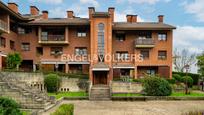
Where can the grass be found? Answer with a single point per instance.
(68, 94)
(175, 94)
(192, 94)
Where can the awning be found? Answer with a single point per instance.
(100, 67)
(123, 66)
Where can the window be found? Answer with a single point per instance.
(56, 50)
(2, 42)
(101, 42)
(44, 36)
(25, 46)
(122, 55)
(145, 54)
(162, 55)
(12, 45)
(151, 72)
(120, 37)
(81, 51)
(39, 50)
(162, 36)
(81, 33)
(22, 30)
(145, 35)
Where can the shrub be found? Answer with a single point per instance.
(9, 107)
(172, 81)
(83, 84)
(188, 79)
(13, 60)
(65, 109)
(195, 77)
(177, 77)
(52, 82)
(156, 86)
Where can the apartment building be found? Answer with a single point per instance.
(112, 49)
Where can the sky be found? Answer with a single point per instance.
(186, 15)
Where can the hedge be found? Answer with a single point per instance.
(64, 109)
(195, 77)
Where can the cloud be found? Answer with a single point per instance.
(57, 12)
(189, 37)
(121, 17)
(91, 2)
(151, 2)
(48, 1)
(196, 8)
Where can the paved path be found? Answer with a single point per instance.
(132, 108)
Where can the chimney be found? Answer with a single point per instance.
(13, 6)
(111, 11)
(91, 11)
(70, 14)
(134, 18)
(129, 18)
(161, 18)
(34, 10)
(45, 14)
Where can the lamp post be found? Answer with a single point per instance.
(187, 67)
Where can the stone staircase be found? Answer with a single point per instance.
(22, 93)
(100, 93)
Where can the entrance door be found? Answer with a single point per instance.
(100, 78)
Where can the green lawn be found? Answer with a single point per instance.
(176, 94)
(192, 94)
(68, 94)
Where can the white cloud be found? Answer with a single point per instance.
(196, 7)
(121, 17)
(189, 37)
(57, 12)
(91, 2)
(48, 1)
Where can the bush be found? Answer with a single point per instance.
(156, 86)
(188, 79)
(65, 109)
(177, 77)
(52, 82)
(172, 81)
(195, 77)
(83, 84)
(9, 107)
(13, 60)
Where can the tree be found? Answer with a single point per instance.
(200, 65)
(9, 107)
(52, 83)
(183, 58)
(13, 60)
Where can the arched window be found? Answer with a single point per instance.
(101, 42)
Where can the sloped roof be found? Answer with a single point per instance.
(141, 26)
(60, 21)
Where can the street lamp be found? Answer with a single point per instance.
(187, 67)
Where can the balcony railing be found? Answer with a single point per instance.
(142, 43)
(3, 26)
(52, 39)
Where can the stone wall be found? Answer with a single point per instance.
(125, 87)
(36, 80)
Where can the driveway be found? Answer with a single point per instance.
(132, 108)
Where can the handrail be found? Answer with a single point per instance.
(13, 82)
(148, 41)
(52, 38)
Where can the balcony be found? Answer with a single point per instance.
(144, 43)
(53, 39)
(3, 27)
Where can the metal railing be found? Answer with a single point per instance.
(3, 25)
(144, 42)
(52, 38)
